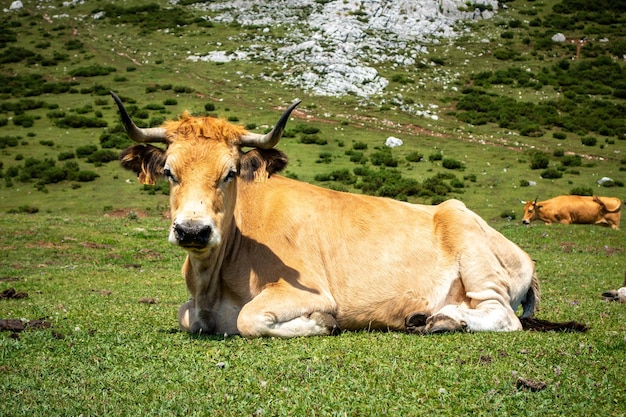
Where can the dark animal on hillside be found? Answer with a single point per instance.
(271, 256)
(574, 209)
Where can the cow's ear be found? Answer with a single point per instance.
(259, 164)
(145, 160)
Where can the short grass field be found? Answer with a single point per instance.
(101, 286)
(110, 286)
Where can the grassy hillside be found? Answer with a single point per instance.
(501, 93)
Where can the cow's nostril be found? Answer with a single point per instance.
(192, 235)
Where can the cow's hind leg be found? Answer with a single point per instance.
(488, 315)
(283, 311)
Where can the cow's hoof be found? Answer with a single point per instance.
(327, 321)
(440, 323)
(416, 322)
(205, 323)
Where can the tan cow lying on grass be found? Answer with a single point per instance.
(575, 209)
(271, 256)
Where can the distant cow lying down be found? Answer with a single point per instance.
(271, 256)
(574, 209)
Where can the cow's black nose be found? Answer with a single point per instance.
(192, 235)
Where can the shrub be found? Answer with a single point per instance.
(572, 161)
(114, 140)
(384, 157)
(170, 102)
(102, 156)
(450, 163)
(325, 157)
(24, 120)
(414, 156)
(551, 173)
(86, 150)
(589, 141)
(63, 156)
(559, 135)
(92, 71)
(360, 146)
(539, 160)
(524, 183)
(8, 141)
(508, 214)
(437, 156)
(86, 176)
(209, 107)
(581, 191)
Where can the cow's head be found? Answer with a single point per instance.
(203, 160)
(531, 211)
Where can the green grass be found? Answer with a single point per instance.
(110, 353)
(87, 268)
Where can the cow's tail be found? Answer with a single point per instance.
(605, 208)
(529, 322)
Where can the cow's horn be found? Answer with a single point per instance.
(148, 135)
(271, 139)
(522, 201)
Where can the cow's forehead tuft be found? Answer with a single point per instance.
(203, 128)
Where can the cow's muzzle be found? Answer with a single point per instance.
(524, 221)
(193, 236)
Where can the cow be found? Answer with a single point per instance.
(276, 257)
(575, 209)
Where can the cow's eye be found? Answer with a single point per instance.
(168, 174)
(230, 176)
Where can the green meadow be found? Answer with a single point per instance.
(518, 116)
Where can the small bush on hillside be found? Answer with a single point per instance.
(414, 156)
(114, 140)
(24, 120)
(581, 191)
(572, 161)
(8, 141)
(75, 121)
(524, 183)
(437, 156)
(86, 176)
(450, 163)
(63, 156)
(559, 135)
(86, 150)
(508, 214)
(359, 146)
(384, 157)
(92, 71)
(588, 141)
(102, 156)
(551, 173)
(539, 160)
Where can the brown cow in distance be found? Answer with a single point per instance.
(271, 256)
(575, 209)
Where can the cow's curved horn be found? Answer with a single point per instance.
(271, 139)
(522, 201)
(536, 198)
(147, 135)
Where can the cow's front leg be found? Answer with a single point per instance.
(195, 320)
(282, 311)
